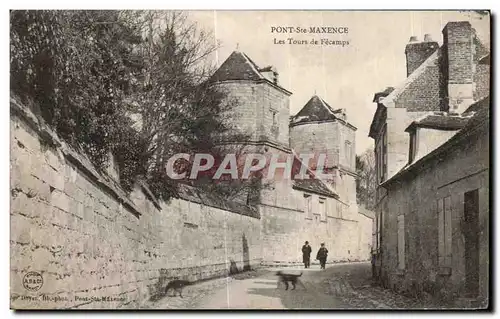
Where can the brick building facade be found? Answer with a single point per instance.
(294, 211)
(431, 146)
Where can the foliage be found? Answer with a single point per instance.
(131, 83)
(73, 65)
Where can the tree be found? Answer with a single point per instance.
(95, 75)
(73, 65)
(180, 110)
(366, 184)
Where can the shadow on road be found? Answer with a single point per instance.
(308, 296)
(265, 283)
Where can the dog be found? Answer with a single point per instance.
(286, 278)
(177, 285)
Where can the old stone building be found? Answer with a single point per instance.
(431, 146)
(293, 211)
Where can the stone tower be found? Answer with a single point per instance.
(262, 111)
(321, 129)
(293, 211)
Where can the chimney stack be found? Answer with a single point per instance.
(417, 52)
(458, 61)
(270, 73)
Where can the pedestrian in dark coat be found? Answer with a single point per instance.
(306, 254)
(322, 255)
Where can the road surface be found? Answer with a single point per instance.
(340, 286)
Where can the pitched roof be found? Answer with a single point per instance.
(485, 59)
(199, 196)
(313, 184)
(316, 109)
(478, 121)
(481, 117)
(432, 61)
(485, 102)
(400, 89)
(239, 66)
(440, 122)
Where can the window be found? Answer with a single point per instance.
(322, 208)
(274, 115)
(413, 147)
(381, 155)
(401, 241)
(274, 126)
(339, 209)
(444, 231)
(307, 206)
(378, 219)
(348, 153)
(379, 227)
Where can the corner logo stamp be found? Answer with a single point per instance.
(33, 281)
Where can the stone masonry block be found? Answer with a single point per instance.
(26, 136)
(60, 200)
(55, 160)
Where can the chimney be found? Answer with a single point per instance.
(380, 95)
(417, 52)
(344, 114)
(276, 77)
(458, 65)
(270, 73)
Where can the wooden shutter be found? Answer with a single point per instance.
(384, 153)
(322, 208)
(441, 249)
(307, 206)
(401, 242)
(447, 231)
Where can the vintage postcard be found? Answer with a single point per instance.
(249, 159)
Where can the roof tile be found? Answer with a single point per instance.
(238, 66)
(440, 122)
(316, 109)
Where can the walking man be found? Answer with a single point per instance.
(306, 254)
(322, 255)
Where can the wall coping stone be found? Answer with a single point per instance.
(103, 181)
(48, 136)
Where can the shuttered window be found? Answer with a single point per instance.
(348, 153)
(308, 206)
(384, 153)
(322, 209)
(444, 231)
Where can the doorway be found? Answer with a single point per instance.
(471, 218)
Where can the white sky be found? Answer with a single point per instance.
(345, 77)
